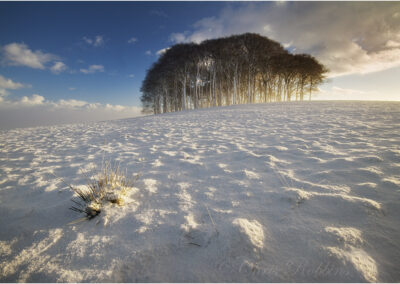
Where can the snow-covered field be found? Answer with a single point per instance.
(268, 192)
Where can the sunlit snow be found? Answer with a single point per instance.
(268, 192)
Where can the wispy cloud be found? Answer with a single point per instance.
(340, 93)
(36, 110)
(19, 54)
(132, 40)
(131, 75)
(347, 91)
(95, 41)
(159, 13)
(92, 69)
(148, 52)
(58, 67)
(348, 37)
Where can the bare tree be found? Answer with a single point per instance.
(246, 68)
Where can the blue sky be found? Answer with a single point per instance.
(85, 60)
(61, 29)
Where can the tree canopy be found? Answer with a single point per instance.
(239, 69)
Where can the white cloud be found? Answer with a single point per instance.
(148, 52)
(9, 84)
(70, 103)
(33, 100)
(131, 75)
(72, 88)
(114, 107)
(58, 67)
(161, 51)
(96, 41)
(178, 37)
(392, 43)
(132, 40)
(19, 54)
(93, 69)
(348, 37)
(36, 110)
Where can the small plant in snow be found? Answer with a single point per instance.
(110, 185)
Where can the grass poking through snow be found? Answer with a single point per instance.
(110, 185)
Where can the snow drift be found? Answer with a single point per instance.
(269, 192)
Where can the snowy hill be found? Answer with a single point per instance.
(268, 192)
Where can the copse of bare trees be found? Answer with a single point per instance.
(239, 69)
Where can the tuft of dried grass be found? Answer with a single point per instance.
(110, 185)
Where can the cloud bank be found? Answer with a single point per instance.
(348, 37)
(36, 110)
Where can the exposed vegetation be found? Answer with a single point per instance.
(109, 186)
(239, 69)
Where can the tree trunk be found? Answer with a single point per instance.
(184, 94)
(234, 85)
(165, 102)
(249, 89)
(214, 88)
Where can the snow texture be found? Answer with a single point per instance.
(268, 192)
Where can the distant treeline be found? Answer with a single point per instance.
(239, 69)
